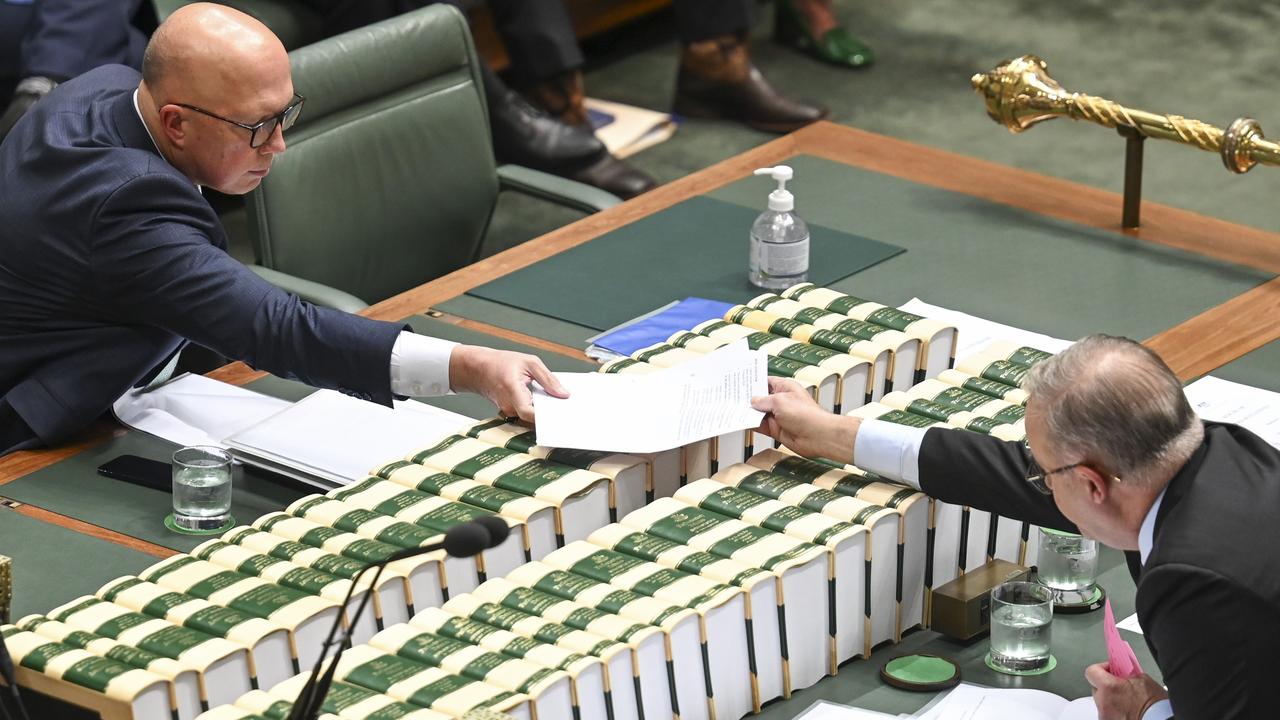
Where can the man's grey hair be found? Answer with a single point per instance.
(1112, 401)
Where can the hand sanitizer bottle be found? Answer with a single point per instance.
(779, 238)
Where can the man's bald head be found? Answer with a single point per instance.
(207, 51)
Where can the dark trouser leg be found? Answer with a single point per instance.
(14, 19)
(69, 37)
(539, 37)
(14, 432)
(705, 19)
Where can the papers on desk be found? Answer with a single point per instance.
(1131, 624)
(1253, 408)
(976, 333)
(971, 702)
(326, 439)
(335, 439)
(826, 710)
(653, 412)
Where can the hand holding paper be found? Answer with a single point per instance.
(1120, 658)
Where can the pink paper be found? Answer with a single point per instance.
(1120, 658)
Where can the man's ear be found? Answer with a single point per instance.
(1099, 484)
(173, 124)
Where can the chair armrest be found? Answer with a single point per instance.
(313, 292)
(552, 188)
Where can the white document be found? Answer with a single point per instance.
(971, 702)
(1131, 624)
(827, 710)
(340, 439)
(1253, 408)
(975, 333)
(194, 410)
(658, 411)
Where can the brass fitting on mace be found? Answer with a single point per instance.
(1019, 93)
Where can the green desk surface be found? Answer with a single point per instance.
(1260, 368)
(1076, 643)
(990, 260)
(73, 487)
(701, 243)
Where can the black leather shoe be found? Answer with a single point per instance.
(615, 176)
(717, 80)
(524, 135)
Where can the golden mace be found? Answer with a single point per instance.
(1019, 93)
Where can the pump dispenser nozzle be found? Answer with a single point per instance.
(780, 200)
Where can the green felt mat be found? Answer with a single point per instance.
(698, 247)
(73, 487)
(52, 565)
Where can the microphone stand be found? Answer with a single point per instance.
(462, 540)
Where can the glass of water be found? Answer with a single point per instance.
(201, 488)
(1068, 565)
(1021, 617)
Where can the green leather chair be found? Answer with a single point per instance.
(389, 178)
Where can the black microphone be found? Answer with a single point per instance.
(11, 679)
(498, 529)
(462, 540)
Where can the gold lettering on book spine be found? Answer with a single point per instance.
(1020, 93)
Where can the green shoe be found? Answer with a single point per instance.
(837, 46)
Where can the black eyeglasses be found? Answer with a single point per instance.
(260, 133)
(1036, 475)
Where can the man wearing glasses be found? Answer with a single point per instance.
(111, 259)
(1113, 451)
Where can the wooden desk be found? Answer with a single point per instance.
(1193, 347)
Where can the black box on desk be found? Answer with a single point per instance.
(962, 607)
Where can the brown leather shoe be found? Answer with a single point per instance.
(717, 80)
(562, 96)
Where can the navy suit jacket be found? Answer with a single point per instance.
(1209, 594)
(110, 258)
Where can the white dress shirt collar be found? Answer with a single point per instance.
(1147, 533)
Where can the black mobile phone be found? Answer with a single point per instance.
(139, 471)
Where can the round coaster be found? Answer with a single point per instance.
(170, 524)
(920, 672)
(1094, 602)
(1053, 663)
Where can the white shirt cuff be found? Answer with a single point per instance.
(420, 365)
(1160, 710)
(890, 450)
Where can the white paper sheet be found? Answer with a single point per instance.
(972, 702)
(653, 412)
(339, 439)
(1256, 409)
(194, 410)
(976, 333)
(826, 710)
(1131, 624)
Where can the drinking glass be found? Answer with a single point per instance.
(201, 488)
(1021, 623)
(1067, 565)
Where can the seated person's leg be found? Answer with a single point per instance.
(546, 64)
(717, 79)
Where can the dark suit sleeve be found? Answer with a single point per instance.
(1215, 641)
(158, 267)
(968, 468)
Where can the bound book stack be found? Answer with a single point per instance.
(903, 350)
(937, 339)
(724, 624)
(112, 685)
(463, 573)
(802, 572)
(184, 684)
(580, 497)
(425, 583)
(632, 478)
(344, 701)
